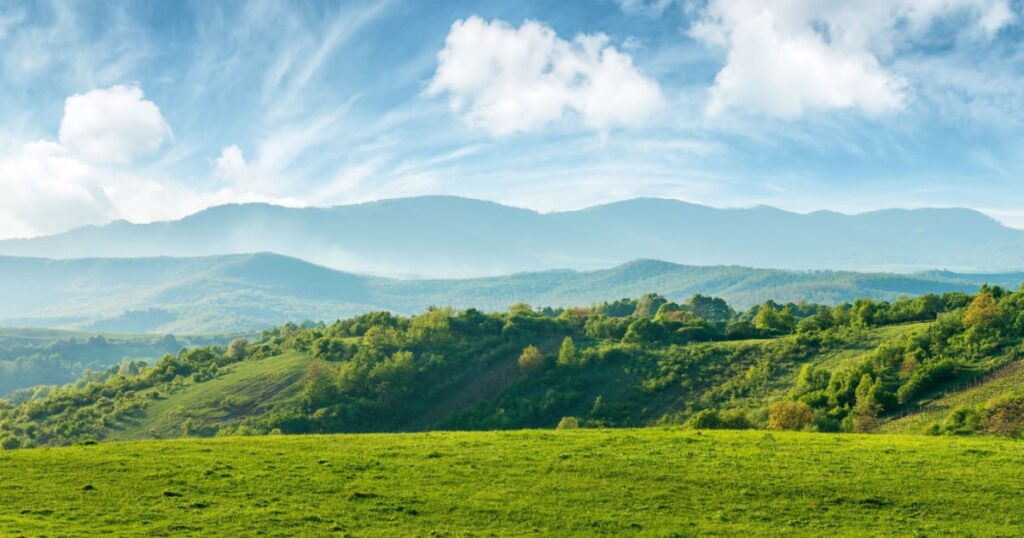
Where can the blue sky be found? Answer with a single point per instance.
(153, 110)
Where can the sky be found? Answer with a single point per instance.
(154, 110)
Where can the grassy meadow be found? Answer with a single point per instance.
(644, 482)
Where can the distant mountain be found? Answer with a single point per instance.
(444, 237)
(221, 294)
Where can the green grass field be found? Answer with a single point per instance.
(650, 482)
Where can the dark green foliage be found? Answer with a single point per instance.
(711, 419)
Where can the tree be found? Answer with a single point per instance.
(647, 305)
(773, 321)
(238, 349)
(643, 330)
(982, 310)
(318, 386)
(712, 309)
(789, 416)
(567, 355)
(530, 360)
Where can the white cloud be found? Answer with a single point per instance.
(509, 80)
(46, 190)
(114, 125)
(231, 164)
(788, 57)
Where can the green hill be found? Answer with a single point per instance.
(242, 293)
(625, 363)
(649, 482)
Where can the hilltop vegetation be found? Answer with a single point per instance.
(649, 482)
(32, 357)
(616, 364)
(252, 292)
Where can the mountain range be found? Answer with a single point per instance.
(451, 237)
(229, 293)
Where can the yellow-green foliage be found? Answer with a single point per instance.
(651, 482)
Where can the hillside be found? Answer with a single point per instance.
(30, 357)
(627, 363)
(246, 292)
(650, 482)
(445, 237)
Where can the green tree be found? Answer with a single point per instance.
(867, 408)
(237, 350)
(567, 355)
(773, 321)
(647, 305)
(531, 360)
(319, 389)
(982, 310)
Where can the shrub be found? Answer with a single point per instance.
(707, 419)
(789, 416)
(9, 443)
(1005, 416)
(962, 421)
(710, 419)
(568, 423)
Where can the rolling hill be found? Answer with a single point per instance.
(233, 293)
(622, 364)
(447, 237)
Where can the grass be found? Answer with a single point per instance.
(247, 388)
(650, 482)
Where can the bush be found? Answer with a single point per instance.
(9, 443)
(1005, 416)
(707, 419)
(710, 419)
(568, 423)
(789, 416)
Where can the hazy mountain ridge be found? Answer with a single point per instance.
(246, 292)
(445, 237)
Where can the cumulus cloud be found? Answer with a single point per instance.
(47, 190)
(788, 57)
(113, 125)
(507, 80)
(231, 165)
(48, 186)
